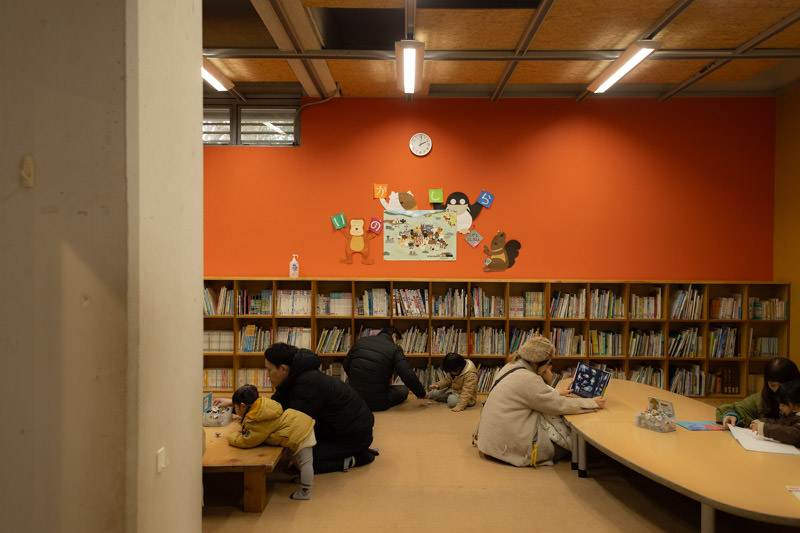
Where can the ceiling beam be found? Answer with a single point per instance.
(738, 53)
(522, 47)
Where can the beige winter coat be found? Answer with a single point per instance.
(465, 384)
(512, 414)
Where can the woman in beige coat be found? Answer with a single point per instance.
(521, 421)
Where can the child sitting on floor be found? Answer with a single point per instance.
(786, 428)
(265, 421)
(458, 387)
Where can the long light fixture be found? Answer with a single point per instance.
(212, 75)
(410, 55)
(632, 56)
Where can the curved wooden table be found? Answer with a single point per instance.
(707, 466)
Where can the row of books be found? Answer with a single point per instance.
(453, 303)
(253, 338)
(722, 342)
(410, 302)
(646, 343)
(726, 307)
(567, 342)
(254, 304)
(446, 339)
(689, 381)
(294, 302)
(254, 376)
(484, 305)
(334, 340)
(529, 305)
(764, 346)
(297, 336)
(767, 309)
(217, 302)
(414, 340)
(648, 375)
(568, 305)
(605, 342)
(726, 381)
(218, 341)
(687, 305)
(603, 303)
(374, 302)
(218, 378)
(684, 343)
(520, 337)
(336, 370)
(644, 307)
(487, 340)
(335, 304)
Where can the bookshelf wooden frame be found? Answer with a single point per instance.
(743, 364)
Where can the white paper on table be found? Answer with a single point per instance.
(745, 437)
(794, 489)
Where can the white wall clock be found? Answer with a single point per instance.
(420, 144)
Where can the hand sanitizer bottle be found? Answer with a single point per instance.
(294, 267)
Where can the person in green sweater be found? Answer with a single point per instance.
(762, 404)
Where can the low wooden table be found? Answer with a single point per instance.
(707, 466)
(253, 463)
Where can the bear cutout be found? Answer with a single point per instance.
(502, 254)
(357, 242)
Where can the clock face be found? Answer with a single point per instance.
(420, 144)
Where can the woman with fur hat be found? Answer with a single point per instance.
(521, 422)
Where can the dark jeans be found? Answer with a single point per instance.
(329, 455)
(397, 395)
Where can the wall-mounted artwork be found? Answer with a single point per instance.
(357, 242)
(399, 201)
(501, 254)
(419, 236)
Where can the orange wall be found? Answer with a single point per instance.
(603, 189)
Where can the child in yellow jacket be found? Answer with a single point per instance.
(458, 387)
(265, 421)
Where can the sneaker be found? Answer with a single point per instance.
(349, 462)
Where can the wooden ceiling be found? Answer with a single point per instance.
(503, 48)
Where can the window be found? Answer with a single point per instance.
(216, 125)
(266, 126)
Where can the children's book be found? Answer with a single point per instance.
(207, 402)
(701, 425)
(753, 442)
(590, 381)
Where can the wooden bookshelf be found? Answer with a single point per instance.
(714, 332)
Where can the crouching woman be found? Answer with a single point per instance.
(521, 422)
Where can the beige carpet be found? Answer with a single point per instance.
(430, 478)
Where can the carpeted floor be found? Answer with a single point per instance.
(430, 478)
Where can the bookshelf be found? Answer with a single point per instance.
(706, 339)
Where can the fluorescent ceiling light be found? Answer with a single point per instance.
(212, 75)
(410, 55)
(632, 56)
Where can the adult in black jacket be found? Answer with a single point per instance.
(370, 364)
(344, 423)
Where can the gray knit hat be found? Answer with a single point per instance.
(536, 349)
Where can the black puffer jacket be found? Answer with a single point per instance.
(340, 414)
(369, 365)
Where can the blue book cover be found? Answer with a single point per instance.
(590, 381)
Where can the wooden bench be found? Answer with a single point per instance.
(253, 463)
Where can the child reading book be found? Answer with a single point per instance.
(458, 387)
(786, 428)
(265, 421)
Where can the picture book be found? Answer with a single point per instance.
(752, 442)
(701, 425)
(589, 381)
(207, 402)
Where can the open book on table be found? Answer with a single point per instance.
(755, 443)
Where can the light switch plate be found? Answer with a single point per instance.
(161, 459)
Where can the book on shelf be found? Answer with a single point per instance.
(605, 342)
(606, 304)
(253, 376)
(644, 307)
(726, 307)
(568, 305)
(218, 378)
(766, 309)
(446, 339)
(294, 302)
(567, 342)
(589, 381)
(646, 343)
(689, 381)
(335, 304)
(648, 375)
(687, 305)
(488, 341)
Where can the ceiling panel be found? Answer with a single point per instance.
(664, 71)
(268, 70)
(463, 72)
(740, 70)
(365, 78)
(559, 72)
(471, 29)
(590, 24)
(721, 24)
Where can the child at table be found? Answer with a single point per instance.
(458, 386)
(265, 421)
(786, 428)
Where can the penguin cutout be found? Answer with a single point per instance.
(458, 203)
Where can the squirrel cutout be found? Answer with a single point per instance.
(502, 254)
(357, 242)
